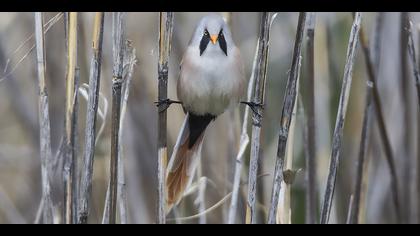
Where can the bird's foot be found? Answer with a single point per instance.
(164, 104)
(254, 107)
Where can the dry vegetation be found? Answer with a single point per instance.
(337, 139)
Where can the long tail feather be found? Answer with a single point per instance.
(185, 156)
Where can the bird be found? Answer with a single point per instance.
(211, 80)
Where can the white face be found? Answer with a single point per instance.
(212, 36)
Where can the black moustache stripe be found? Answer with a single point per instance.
(204, 42)
(222, 43)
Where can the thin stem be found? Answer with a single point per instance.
(311, 191)
(381, 122)
(286, 116)
(129, 63)
(44, 121)
(376, 57)
(69, 166)
(366, 130)
(412, 52)
(407, 121)
(418, 140)
(92, 109)
(284, 214)
(339, 126)
(118, 36)
(244, 140)
(258, 98)
(165, 38)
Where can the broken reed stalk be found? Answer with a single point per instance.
(243, 143)
(69, 160)
(341, 115)
(286, 116)
(92, 109)
(311, 191)
(412, 52)
(44, 121)
(258, 98)
(284, 214)
(372, 73)
(353, 215)
(118, 36)
(129, 62)
(165, 37)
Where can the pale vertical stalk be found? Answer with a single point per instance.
(243, 143)
(92, 109)
(201, 195)
(418, 140)
(372, 74)
(311, 191)
(412, 52)
(376, 57)
(44, 121)
(118, 35)
(69, 160)
(341, 115)
(286, 116)
(165, 37)
(353, 216)
(233, 138)
(407, 121)
(284, 215)
(129, 62)
(257, 117)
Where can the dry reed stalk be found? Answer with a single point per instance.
(243, 143)
(372, 73)
(44, 121)
(118, 36)
(311, 191)
(286, 116)
(130, 61)
(68, 154)
(165, 37)
(341, 115)
(92, 109)
(257, 117)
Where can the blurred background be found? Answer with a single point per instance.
(20, 170)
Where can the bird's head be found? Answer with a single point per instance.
(212, 33)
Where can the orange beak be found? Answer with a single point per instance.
(213, 38)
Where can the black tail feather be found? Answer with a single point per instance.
(197, 125)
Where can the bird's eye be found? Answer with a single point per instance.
(221, 33)
(206, 32)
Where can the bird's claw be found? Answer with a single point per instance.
(164, 104)
(254, 107)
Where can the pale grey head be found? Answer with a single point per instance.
(212, 33)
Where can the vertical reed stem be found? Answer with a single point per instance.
(286, 116)
(339, 126)
(69, 155)
(92, 109)
(44, 120)
(165, 37)
(259, 98)
(311, 202)
(118, 36)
